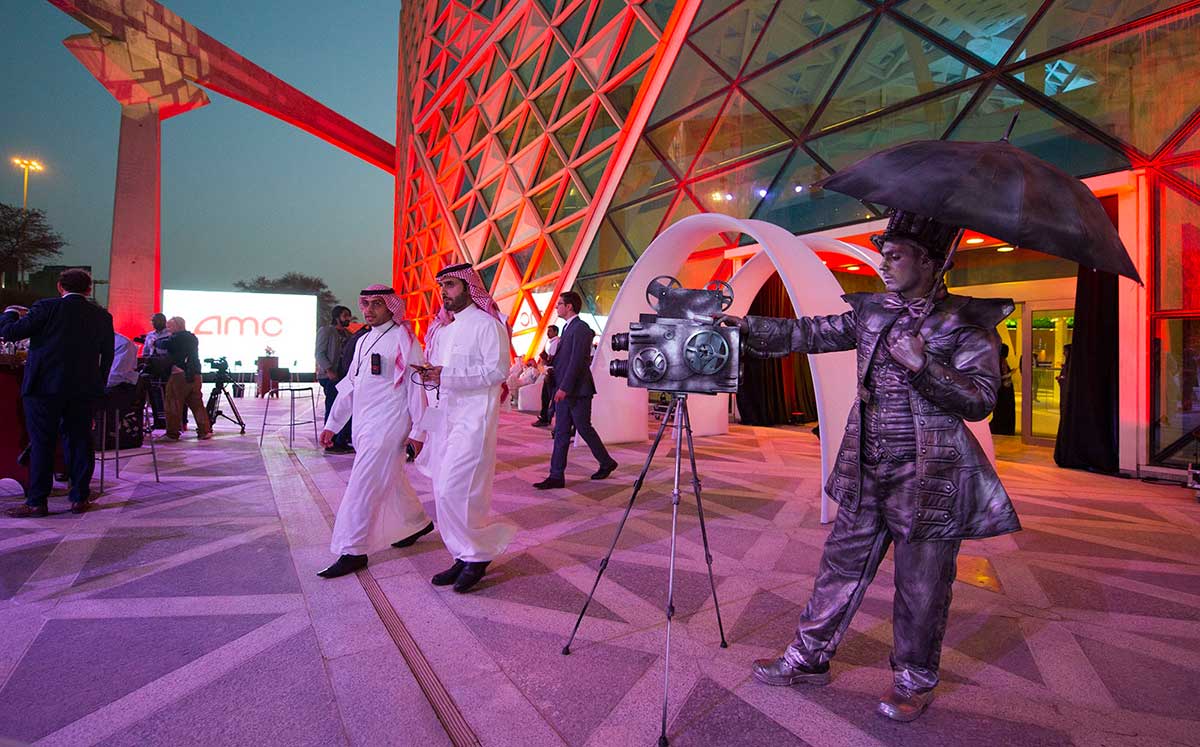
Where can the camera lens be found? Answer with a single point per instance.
(620, 342)
(619, 369)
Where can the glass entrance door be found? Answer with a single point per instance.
(1046, 352)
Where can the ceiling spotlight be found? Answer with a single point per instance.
(974, 240)
(853, 268)
(799, 188)
(762, 192)
(728, 197)
(717, 196)
(1004, 248)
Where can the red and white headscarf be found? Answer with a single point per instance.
(386, 294)
(479, 296)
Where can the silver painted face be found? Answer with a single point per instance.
(905, 269)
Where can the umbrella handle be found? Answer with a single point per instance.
(1011, 125)
(939, 282)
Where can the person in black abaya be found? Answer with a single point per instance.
(1004, 417)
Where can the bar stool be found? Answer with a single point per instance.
(146, 425)
(283, 378)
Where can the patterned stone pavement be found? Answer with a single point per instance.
(187, 611)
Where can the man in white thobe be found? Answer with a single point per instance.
(468, 350)
(379, 506)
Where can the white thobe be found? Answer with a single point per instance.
(460, 425)
(379, 505)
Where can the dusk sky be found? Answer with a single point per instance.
(244, 194)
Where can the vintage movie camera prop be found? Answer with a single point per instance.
(680, 351)
(679, 348)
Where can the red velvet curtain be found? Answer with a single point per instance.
(776, 391)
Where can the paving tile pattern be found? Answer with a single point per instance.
(188, 611)
(1056, 633)
(174, 614)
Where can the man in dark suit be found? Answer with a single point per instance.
(573, 400)
(70, 353)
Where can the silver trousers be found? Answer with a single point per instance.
(924, 575)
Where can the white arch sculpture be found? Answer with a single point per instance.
(622, 412)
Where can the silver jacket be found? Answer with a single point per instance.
(958, 494)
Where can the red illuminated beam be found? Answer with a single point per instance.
(151, 31)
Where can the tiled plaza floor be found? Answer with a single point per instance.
(188, 612)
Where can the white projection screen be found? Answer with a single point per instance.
(241, 326)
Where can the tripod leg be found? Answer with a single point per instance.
(237, 416)
(687, 422)
(680, 408)
(637, 486)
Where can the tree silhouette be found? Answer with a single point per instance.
(26, 239)
(295, 282)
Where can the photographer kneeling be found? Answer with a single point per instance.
(184, 386)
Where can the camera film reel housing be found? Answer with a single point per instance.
(680, 349)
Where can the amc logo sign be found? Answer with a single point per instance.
(239, 326)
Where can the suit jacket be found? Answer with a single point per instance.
(347, 354)
(572, 360)
(330, 340)
(70, 346)
(958, 495)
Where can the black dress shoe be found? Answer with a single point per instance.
(25, 511)
(780, 672)
(550, 483)
(80, 507)
(539, 423)
(470, 576)
(450, 575)
(412, 538)
(344, 565)
(604, 472)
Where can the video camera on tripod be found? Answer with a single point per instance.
(680, 349)
(221, 369)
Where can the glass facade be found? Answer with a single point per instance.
(510, 114)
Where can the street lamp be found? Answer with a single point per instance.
(27, 165)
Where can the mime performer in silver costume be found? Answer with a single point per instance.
(908, 472)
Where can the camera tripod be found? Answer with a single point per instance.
(214, 401)
(676, 407)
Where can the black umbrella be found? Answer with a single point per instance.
(994, 188)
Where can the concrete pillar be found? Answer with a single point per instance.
(134, 269)
(150, 87)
